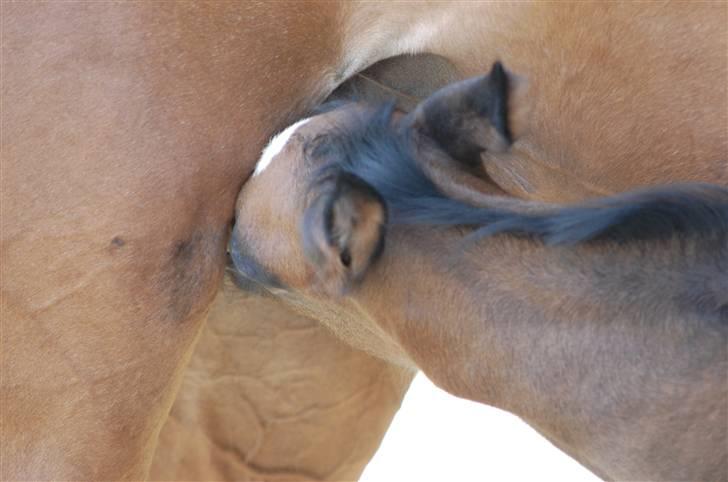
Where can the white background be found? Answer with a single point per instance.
(438, 437)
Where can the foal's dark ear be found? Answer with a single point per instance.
(343, 230)
(468, 117)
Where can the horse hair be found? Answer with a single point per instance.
(382, 154)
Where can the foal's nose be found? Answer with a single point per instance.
(248, 274)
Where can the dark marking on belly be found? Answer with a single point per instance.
(183, 250)
(192, 272)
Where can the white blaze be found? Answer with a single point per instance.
(275, 146)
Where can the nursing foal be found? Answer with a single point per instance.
(604, 326)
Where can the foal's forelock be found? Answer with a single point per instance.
(383, 155)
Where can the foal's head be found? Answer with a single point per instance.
(315, 212)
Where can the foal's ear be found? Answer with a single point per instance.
(343, 230)
(468, 117)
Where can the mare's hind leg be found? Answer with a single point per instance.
(272, 395)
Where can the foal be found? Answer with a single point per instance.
(604, 326)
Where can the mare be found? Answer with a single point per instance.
(129, 128)
(603, 325)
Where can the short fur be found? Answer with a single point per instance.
(141, 120)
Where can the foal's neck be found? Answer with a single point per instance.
(586, 344)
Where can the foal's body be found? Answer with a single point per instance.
(587, 345)
(615, 348)
(129, 128)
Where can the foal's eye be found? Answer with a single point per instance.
(345, 257)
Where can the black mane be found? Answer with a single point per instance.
(381, 154)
